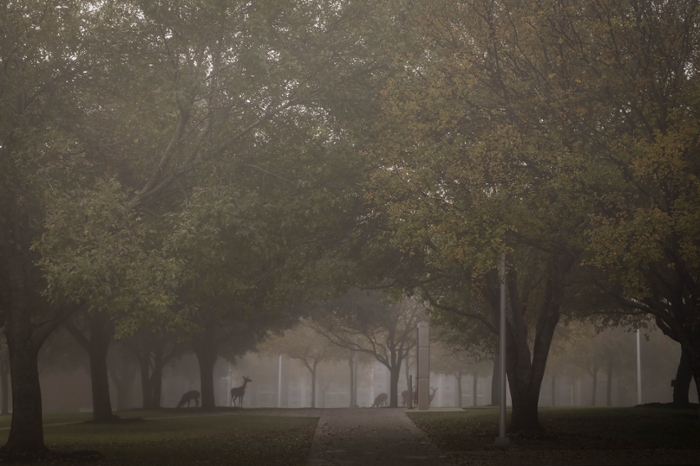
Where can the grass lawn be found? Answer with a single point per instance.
(172, 440)
(572, 436)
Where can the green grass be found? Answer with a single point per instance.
(569, 429)
(171, 440)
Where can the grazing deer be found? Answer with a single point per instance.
(238, 392)
(380, 400)
(192, 395)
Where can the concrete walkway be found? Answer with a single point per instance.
(371, 437)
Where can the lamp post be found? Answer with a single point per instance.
(502, 439)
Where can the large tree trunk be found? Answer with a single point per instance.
(206, 350)
(525, 371)
(152, 355)
(151, 381)
(101, 333)
(394, 375)
(495, 380)
(458, 378)
(608, 401)
(681, 385)
(351, 363)
(5, 383)
(124, 385)
(26, 431)
(24, 339)
(313, 386)
(554, 391)
(146, 390)
(101, 403)
(122, 373)
(595, 386)
(97, 346)
(157, 385)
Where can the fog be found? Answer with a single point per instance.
(65, 379)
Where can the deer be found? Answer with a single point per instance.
(192, 395)
(432, 395)
(404, 396)
(380, 400)
(238, 392)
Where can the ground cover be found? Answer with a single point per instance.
(175, 440)
(640, 435)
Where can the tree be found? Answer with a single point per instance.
(113, 111)
(4, 378)
(516, 129)
(43, 66)
(123, 368)
(370, 323)
(96, 343)
(153, 348)
(306, 345)
(463, 348)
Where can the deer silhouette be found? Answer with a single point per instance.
(238, 392)
(192, 395)
(380, 400)
(432, 395)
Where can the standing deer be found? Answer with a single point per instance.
(380, 400)
(238, 392)
(432, 395)
(192, 395)
(404, 398)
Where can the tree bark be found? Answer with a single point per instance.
(458, 378)
(24, 339)
(206, 350)
(684, 376)
(554, 391)
(122, 372)
(595, 385)
(5, 382)
(97, 346)
(495, 380)
(475, 386)
(313, 386)
(608, 401)
(26, 431)
(394, 376)
(151, 382)
(100, 338)
(152, 353)
(525, 370)
(351, 363)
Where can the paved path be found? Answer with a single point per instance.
(371, 437)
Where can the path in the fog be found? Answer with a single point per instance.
(371, 437)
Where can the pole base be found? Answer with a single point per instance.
(502, 441)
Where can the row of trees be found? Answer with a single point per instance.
(562, 134)
(204, 167)
(162, 167)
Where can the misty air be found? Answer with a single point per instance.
(283, 233)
